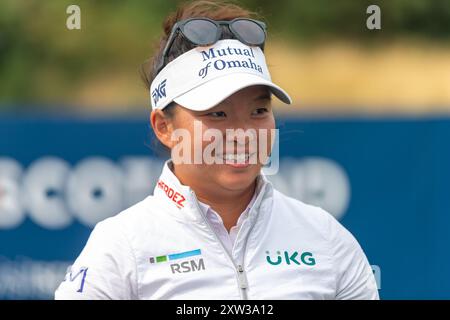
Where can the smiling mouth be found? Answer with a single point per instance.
(242, 159)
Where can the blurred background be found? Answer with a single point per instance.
(367, 137)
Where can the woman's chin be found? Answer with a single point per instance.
(237, 177)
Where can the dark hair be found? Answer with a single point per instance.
(215, 10)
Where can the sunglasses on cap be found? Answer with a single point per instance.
(205, 32)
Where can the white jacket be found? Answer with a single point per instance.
(163, 248)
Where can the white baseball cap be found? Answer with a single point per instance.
(202, 77)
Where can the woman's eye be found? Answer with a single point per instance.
(217, 114)
(260, 111)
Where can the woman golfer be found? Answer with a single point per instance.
(215, 227)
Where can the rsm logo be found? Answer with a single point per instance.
(188, 266)
(181, 267)
(53, 192)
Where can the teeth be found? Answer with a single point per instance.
(236, 157)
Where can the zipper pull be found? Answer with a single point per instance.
(242, 280)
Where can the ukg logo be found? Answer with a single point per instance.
(287, 257)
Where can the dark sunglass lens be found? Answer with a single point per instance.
(200, 32)
(249, 31)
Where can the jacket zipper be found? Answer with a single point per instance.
(242, 278)
(240, 267)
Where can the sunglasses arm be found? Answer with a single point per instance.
(167, 47)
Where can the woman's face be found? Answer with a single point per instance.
(249, 110)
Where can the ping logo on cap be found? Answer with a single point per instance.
(159, 92)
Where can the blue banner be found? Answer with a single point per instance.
(385, 179)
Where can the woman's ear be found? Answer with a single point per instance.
(162, 126)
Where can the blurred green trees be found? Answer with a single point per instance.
(42, 61)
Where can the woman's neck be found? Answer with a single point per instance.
(229, 204)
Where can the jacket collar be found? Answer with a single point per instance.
(180, 200)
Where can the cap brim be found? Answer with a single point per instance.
(215, 91)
